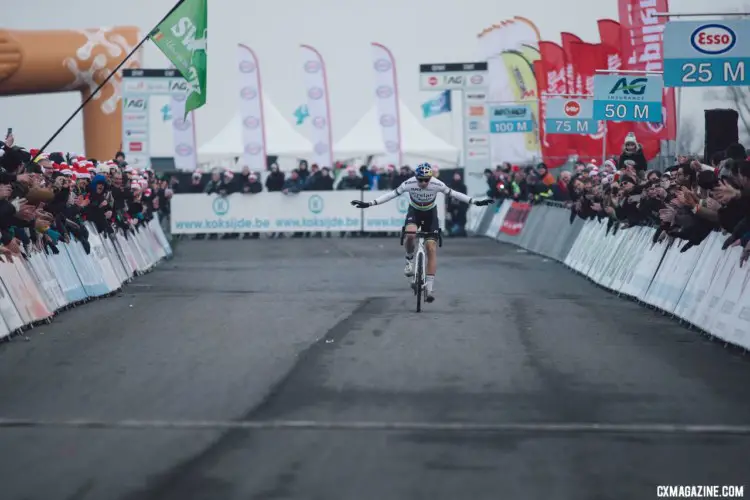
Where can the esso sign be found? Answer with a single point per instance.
(713, 39)
(572, 108)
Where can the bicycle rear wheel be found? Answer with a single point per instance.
(420, 280)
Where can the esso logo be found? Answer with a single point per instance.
(251, 122)
(382, 65)
(315, 93)
(387, 120)
(432, 80)
(253, 149)
(384, 91)
(183, 150)
(319, 122)
(248, 93)
(713, 39)
(312, 66)
(247, 66)
(572, 109)
(476, 79)
(321, 148)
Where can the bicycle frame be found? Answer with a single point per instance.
(420, 257)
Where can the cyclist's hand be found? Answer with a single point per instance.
(360, 204)
(482, 203)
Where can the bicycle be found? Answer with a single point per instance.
(420, 256)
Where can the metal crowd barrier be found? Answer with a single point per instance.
(32, 290)
(704, 286)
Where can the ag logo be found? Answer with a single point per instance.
(221, 206)
(315, 204)
(403, 204)
(135, 104)
(178, 86)
(636, 86)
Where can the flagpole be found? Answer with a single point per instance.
(106, 80)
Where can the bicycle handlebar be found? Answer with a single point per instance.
(423, 234)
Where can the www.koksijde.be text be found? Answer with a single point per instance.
(311, 223)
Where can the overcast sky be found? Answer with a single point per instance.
(416, 31)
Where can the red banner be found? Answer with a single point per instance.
(550, 78)
(515, 218)
(586, 58)
(611, 35)
(642, 50)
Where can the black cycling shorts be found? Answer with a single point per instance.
(426, 220)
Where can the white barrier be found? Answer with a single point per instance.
(279, 213)
(703, 286)
(33, 290)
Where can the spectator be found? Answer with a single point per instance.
(350, 180)
(456, 209)
(275, 180)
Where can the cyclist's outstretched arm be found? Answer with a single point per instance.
(391, 195)
(455, 194)
(381, 199)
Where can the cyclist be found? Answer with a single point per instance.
(423, 189)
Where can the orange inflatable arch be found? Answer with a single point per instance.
(42, 62)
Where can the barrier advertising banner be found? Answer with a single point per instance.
(515, 218)
(277, 212)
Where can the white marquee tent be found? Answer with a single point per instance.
(281, 138)
(419, 143)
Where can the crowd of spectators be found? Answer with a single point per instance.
(313, 178)
(45, 199)
(688, 201)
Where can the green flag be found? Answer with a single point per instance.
(182, 38)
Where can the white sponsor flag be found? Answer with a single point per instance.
(251, 110)
(183, 134)
(316, 91)
(386, 95)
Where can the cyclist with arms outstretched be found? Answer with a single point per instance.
(423, 189)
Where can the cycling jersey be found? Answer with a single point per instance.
(422, 198)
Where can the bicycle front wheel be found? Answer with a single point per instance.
(420, 280)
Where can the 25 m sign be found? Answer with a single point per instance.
(135, 104)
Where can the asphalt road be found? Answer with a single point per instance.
(324, 331)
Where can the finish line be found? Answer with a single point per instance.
(438, 427)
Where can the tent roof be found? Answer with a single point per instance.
(281, 138)
(365, 138)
